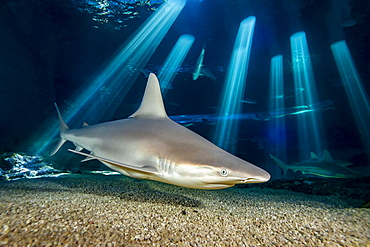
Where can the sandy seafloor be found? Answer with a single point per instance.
(98, 210)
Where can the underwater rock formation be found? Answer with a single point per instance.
(19, 165)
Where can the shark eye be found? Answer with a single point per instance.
(224, 172)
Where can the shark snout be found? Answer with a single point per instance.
(262, 177)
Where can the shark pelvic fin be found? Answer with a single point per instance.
(78, 148)
(152, 104)
(88, 158)
(62, 128)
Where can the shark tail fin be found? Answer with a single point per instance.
(62, 128)
(280, 163)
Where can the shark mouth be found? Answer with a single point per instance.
(255, 180)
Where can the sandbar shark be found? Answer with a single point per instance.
(149, 145)
(324, 167)
(201, 70)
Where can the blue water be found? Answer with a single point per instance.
(52, 49)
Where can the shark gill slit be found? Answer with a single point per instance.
(166, 165)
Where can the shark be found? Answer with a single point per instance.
(249, 101)
(201, 70)
(149, 145)
(325, 166)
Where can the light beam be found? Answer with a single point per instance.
(310, 126)
(277, 135)
(356, 94)
(227, 131)
(100, 99)
(174, 60)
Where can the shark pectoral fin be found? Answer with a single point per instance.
(144, 169)
(201, 73)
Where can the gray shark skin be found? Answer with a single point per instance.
(149, 145)
(324, 167)
(199, 65)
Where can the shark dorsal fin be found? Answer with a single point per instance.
(152, 103)
(314, 156)
(326, 156)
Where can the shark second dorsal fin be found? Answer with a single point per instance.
(152, 103)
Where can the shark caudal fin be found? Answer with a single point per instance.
(280, 163)
(62, 128)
